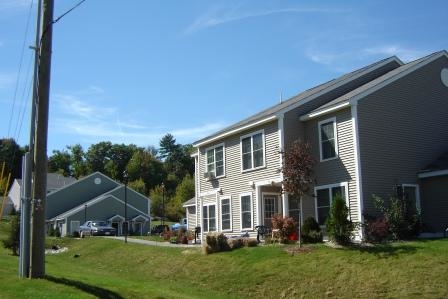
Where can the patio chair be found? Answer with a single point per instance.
(262, 231)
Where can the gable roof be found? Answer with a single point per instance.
(436, 168)
(300, 99)
(190, 202)
(56, 181)
(93, 202)
(374, 85)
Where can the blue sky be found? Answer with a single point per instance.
(132, 71)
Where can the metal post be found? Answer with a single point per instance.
(25, 215)
(85, 213)
(163, 203)
(125, 178)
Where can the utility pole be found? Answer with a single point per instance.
(25, 215)
(40, 147)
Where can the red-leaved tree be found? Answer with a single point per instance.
(297, 169)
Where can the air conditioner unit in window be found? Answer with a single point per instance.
(209, 175)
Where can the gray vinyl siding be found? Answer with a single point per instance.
(236, 181)
(402, 128)
(339, 170)
(134, 199)
(191, 217)
(434, 203)
(294, 128)
(103, 210)
(76, 194)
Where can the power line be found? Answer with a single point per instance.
(68, 11)
(20, 69)
(60, 17)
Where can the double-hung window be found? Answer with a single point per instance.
(324, 197)
(215, 160)
(246, 212)
(209, 218)
(328, 142)
(252, 151)
(225, 214)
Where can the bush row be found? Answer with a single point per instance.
(218, 242)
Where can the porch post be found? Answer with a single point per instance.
(259, 205)
(285, 204)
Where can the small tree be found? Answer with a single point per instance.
(401, 216)
(311, 231)
(339, 226)
(297, 171)
(14, 234)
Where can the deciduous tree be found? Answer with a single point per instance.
(297, 169)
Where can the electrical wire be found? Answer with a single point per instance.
(20, 69)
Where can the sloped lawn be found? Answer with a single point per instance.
(107, 268)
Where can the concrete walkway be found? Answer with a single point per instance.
(155, 243)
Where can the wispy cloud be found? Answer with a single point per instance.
(344, 60)
(405, 54)
(90, 121)
(216, 18)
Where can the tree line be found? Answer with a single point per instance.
(163, 174)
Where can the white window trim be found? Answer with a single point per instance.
(208, 213)
(335, 128)
(329, 186)
(251, 213)
(223, 157)
(417, 195)
(220, 213)
(263, 137)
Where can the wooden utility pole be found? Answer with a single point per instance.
(40, 150)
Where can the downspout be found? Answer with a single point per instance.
(357, 157)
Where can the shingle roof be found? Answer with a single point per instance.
(440, 164)
(388, 76)
(302, 97)
(56, 181)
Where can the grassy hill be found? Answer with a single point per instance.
(111, 269)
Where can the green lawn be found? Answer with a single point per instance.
(111, 269)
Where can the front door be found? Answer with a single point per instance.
(271, 206)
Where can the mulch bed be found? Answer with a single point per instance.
(296, 249)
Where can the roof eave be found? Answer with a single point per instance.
(235, 131)
(325, 111)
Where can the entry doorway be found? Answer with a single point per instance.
(271, 207)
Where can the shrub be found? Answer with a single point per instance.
(339, 227)
(14, 234)
(377, 230)
(57, 232)
(217, 242)
(401, 215)
(285, 225)
(250, 242)
(235, 243)
(311, 232)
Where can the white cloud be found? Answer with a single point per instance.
(405, 54)
(90, 121)
(344, 60)
(223, 17)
